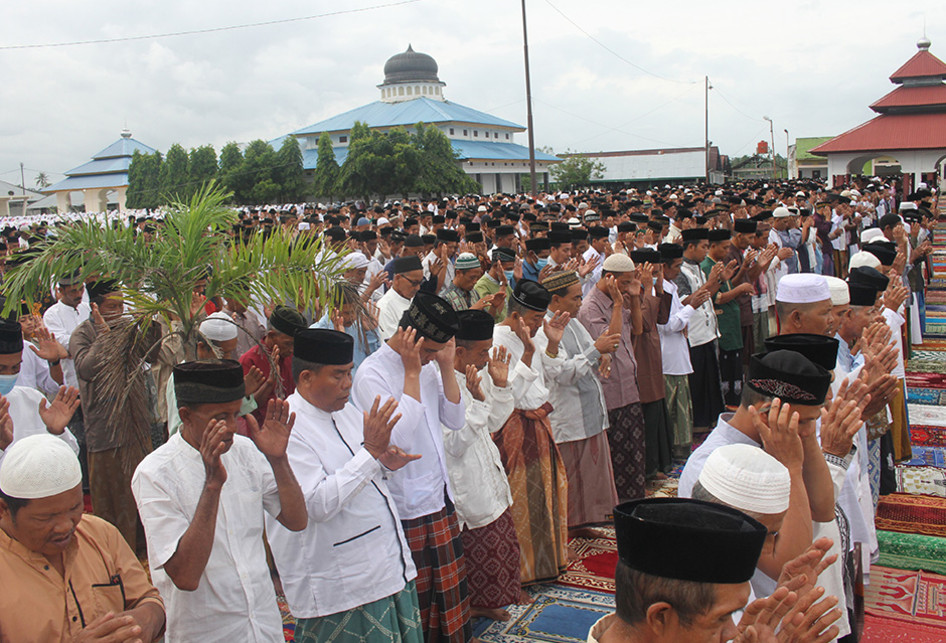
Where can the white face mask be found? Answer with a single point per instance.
(7, 382)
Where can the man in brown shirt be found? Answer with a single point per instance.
(67, 576)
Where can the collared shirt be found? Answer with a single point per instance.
(477, 477)
(674, 347)
(253, 329)
(895, 321)
(353, 550)
(458, 298)
(647, 349)
(418, 487)
(24, 411)
(449, 272)
(488, 286)
(575, 392)
(366, 342)
(61, 320)
(391, 307)
(620, 388)
(724, 433)
(529, 388)
(258, 356)
(595, 274)
(234, 600)
(702, 328)
(34, 372)
(102, 575)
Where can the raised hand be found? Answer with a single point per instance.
(396, 457)
(647, 273)
(546, 271)
(614, 288)
(57, 415)
(254, 380)
(212, 446)
(801, 574)
(524, 333)
(473, 383)
(517, 270)
(6, 424)
(377, 280)
(445, 356)
(197, 302)
(840, 422)
(47, 347)
(369, 317)
(273, 437)
(378, 424)
(406, 344)
(554, 328)
(730, 269)
(498, 366)
(338, 320)
(780, 433)
(608, 343)
(586, 267)
(100, 324)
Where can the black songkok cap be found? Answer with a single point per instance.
(645, 255)
(789, 376)
(286, 320)
(474, 236)
(559, 226)
(747, 226)
(867, 276)
(820, 349)
(862, 295)
(475, 325)
(700, 220)
(406, 264)
(413, 241)
(656, 226)
(694, 234)
(11, 337)
(558, 237)
(336, 233)
(428, 239)
(445, 234)
(532, 295)
(579, 234)
(886, 251)
(368, 235)
(72, 279)
(438, 218)
(627, 226)
(431, 317)
(214, 381)
(638, 217)
(765, 215)
(598, 232)
(102, 287)
(323, 346)
(670, 251)
(495, 224)
(720, 234)
(503, 254)
(505, 230)
(538, 245)
(655, 536)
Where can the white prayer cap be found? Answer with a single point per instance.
(864, 258)
(481, 208)
(39, 466)
(304, 225)
(871, 234)
(353, 261)
(802, 288)
(383, 221)
(840, 295)
(747, 478)
(582, 205)
(781, 212)
(218, 327)
(799, 193)
(618, 263)
(907, 205)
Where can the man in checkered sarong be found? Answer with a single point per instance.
(428, 397)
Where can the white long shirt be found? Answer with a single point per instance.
(353, 551)
(477, 477)
(24, 411)
(234, 600)
(592, 278)
(391, 307)
(674, 347)
(575, 382)
(62, 320)
(529, 387)
(34, 372)
(418, 487)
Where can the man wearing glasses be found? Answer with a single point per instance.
(408, 277)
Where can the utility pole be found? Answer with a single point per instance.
(788, 153)
(525, 49)
(706, 126)
(23, 186)
(772, 135)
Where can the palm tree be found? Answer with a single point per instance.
(42, 180)
(159, 280)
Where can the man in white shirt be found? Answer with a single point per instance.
(428, 396)
(597, 251)
(408, 277)
(201, 497)
(64, 316)
(351, 569)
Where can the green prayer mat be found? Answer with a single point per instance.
(912, 551)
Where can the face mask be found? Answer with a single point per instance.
(655, 280)
(7, 382)
(509, 274)
(541, 263)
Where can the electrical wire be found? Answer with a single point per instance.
(191, 32)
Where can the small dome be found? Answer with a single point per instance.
(126, 133)
(410, 66)
(923, 43)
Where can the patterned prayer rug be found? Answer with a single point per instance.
(933, 396)
(912, 514)
(928, 436)
(913, 597)
(557, 615)
(925, 361)
(595, 569)
(912, 551)
(926, 380)
(886, 630)
(930, 481)
(927, 457)
(924, 414)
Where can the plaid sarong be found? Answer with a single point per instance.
(442, 593)
(395, 619)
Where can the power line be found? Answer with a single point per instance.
(726, 100)
(608, 127)
(616, 54)
(209, 30)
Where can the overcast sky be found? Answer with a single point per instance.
(813, 67)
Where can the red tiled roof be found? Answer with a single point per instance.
(909, 96)
(891, 132)
(923, 64)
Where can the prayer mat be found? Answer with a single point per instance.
(926, 415)
(924, 361)
(933, 396)
(926, 380)
(886, 630)
(594, 570)
(557, 615)
(288, 621)
(909, 597)
(912, 514)
(912, 551)
(927, 457)
(663, 488)
(928, 436)
(930, 481)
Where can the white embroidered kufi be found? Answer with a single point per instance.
(872, 234)
(618, 263)
(840, 295)
(862, 259)
(747, 478)
(802, 288)
(39, 466)
(218, 327)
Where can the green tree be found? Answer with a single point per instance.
(440, 170)
(381, 163)
(202, 168)
(289, 174)
(174, 175)
(576, 171)
(144, 181)
(259, 161)
(42, 180)
(326, 169)
(230, 172)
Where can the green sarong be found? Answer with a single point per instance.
(395, 619)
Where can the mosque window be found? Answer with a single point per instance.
(451, 131)
(400, 91)
(342, 139)
(410, 91)
(495, 134)
(465, 132)
(476, 133)
(507, 136)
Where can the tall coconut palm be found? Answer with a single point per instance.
(42, 180)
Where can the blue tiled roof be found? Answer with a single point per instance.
(123, 147)
(101, 166)
(465, 149)
(407, 113)
(89, 181)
